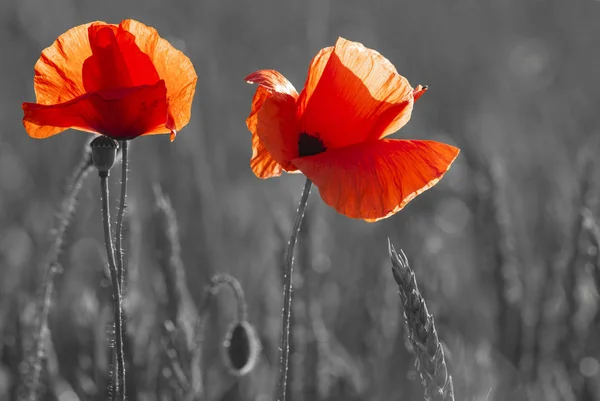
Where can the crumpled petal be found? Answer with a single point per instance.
(272, 122)
(58, 77)
(174, 67)
(374, 180)
(419, 91)
(262, 163)
(118, 113)
(352, 95)
(116, 61)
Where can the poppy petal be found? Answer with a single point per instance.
(262, 163)
(419, 91)
(352, 95)
(376, 179)
(174, 67)
(116, 61)
(272, 122)
(119, 114)
(58, 71)
(273, 81)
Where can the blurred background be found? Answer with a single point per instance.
(505, 247)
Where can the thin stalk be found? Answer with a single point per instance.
(216, 282)
(236, 287)
(119, 384)
(121, 213)
(119, 256)
(65, 216)
(287, 293)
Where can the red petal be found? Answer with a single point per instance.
(116, 62)
(272, 121)
(376, 179)
(273, 81)
(119, 114)
(174, 67)
(419, 91)
(353, 94)
(58, 71)
(262, 163)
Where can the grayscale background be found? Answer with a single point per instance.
(502, 255)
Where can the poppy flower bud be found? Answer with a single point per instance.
(241, 348)
(104, 153)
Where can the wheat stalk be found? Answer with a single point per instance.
(67, 210)
(180, 308)
(422, 333)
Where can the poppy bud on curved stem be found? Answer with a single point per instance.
(104, 153)
(241, 343)
(241, 347)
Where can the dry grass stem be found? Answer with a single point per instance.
(168, 342)
(422, 333)
(591, 226)
(180, 307)
(65, 215)
(570, 342)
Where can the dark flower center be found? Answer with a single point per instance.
(309, 145)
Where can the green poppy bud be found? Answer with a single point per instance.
(241, 348)
(104, 153)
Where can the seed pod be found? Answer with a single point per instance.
(241, 347)
(104, 153)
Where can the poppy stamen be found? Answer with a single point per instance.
(309, 145)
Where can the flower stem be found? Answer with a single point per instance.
(119, 385)
(287, 293)
(121, 213)
(225, 279)
(216, 283)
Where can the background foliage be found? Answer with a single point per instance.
(502, 255)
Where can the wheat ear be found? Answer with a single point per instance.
(422, 333)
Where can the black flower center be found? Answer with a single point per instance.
(309, 145)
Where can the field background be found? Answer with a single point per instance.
(501, 251)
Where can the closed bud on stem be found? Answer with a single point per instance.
(241, 347)
(104, 153)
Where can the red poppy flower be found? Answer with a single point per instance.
(120, 81)
(334, 132)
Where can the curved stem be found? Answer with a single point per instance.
(119, 385)
(236, 287)
(216, 282)
(121, 213)
(287, 293)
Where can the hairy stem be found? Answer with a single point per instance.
(119, 384)
(121, 213)
(216, 282)
(234, 284)
(65, 216)
(287, 293)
